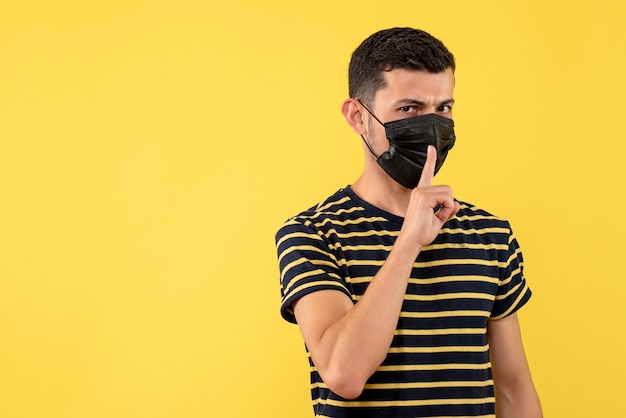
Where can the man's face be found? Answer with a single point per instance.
(409, 93)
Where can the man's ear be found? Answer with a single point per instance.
(354, 115)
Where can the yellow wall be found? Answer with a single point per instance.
(149, 151)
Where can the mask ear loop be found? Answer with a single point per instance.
(369, 111)
(378, 120)
(369, 148)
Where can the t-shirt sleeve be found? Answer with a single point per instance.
(307, 264)
(513, 291)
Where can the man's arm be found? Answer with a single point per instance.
(347, 341)
(516, 396)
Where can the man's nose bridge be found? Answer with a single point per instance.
(427, 110)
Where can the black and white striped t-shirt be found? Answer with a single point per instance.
(438, 363)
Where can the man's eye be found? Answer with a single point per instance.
(407, 109)
(444, 109)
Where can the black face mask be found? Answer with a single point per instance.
(408, 145)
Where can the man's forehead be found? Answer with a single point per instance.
(416, 84)
(409, 74)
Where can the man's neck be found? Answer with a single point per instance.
(383, 192)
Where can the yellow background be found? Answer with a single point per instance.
(149, 151)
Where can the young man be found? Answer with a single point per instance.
(406, 297)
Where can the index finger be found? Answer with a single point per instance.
(428, 173)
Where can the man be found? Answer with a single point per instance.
(406, 297)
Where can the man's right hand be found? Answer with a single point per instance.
(430, 206)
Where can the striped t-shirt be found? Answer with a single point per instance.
(438, 363)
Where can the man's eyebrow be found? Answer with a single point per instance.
(447, 102)
(408, 102)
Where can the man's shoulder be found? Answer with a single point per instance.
(470, 209)
(327, 211)
(473, 216)
(338, 201)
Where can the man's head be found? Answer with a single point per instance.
(401, 98)
(386, 50)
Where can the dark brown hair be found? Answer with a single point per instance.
(388, 49)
